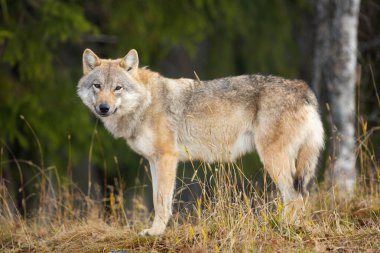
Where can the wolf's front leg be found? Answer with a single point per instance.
(163, 171)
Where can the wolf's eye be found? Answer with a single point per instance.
(118, 87)
(96, 85)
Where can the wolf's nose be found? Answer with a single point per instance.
(104, 108)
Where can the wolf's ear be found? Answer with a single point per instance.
(90, 61)
(130, 61)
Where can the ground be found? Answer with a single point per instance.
(225, 218)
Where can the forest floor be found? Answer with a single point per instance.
(224, 218)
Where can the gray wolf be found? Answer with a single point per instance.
(170, 120)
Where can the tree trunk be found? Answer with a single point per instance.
(335, 66)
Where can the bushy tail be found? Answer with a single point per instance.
(307, 158)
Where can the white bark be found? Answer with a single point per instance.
(335, 66)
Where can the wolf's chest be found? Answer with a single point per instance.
(143, 144)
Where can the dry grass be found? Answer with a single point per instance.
(230, 215)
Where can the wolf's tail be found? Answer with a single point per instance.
(308, 153)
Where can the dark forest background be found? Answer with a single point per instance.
(41, 44)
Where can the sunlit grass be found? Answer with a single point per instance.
(229, 215)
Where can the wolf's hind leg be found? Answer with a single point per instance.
(163, 171)
(281, 167)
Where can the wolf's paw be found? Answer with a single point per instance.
(152, 232)
(294, 212)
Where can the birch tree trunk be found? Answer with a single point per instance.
(335, 67)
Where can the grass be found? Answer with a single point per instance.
(230, 215)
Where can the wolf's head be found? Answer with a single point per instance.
(110, 87)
